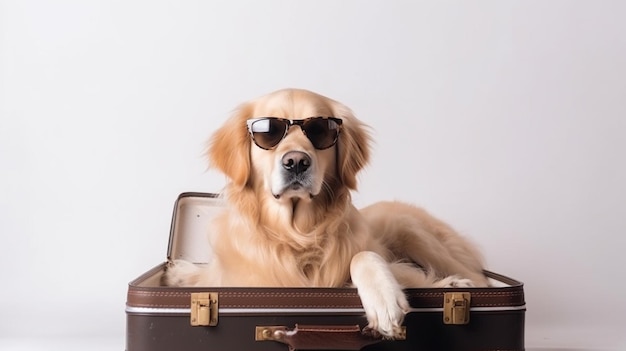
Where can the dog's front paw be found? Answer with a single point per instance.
(180, 273)
(382, 297)
(454, 281)
(385, 312)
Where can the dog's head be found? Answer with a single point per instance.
(292, 155)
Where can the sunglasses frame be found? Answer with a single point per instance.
(290, 123)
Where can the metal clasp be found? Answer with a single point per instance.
(264, 333)
(204, 309)
(456, 308)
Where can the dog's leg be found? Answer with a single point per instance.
(450, 256)
(412, 233)
(381, 295)
(184, 273)
(454, 281)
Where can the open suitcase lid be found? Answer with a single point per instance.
(190, 224)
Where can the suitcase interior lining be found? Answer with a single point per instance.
(190, 226)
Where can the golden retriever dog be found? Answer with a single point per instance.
(292, 158)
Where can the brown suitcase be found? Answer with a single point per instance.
(234, 319)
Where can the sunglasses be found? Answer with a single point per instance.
(267, 132)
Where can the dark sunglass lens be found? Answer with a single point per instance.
(321, 131)
(268, 132)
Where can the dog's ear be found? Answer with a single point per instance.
(229, 148)
(353, 147)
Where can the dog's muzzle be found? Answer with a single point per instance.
(296, 174)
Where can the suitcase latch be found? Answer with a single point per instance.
(456, 308)
(204, 308)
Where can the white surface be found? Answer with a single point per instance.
(505, 118)
(61, 344)
(100, 344)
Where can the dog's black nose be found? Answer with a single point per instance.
(296, 162)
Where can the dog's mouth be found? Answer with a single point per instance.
(295, 189)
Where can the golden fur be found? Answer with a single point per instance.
(272, 235)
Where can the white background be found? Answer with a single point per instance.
(507, 119)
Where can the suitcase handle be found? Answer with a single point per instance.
(318, 337)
